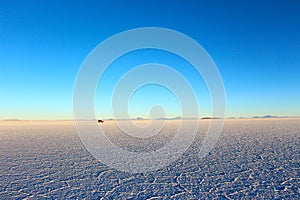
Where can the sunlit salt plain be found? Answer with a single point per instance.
(254, 158)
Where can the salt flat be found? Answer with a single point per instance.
(254, 158)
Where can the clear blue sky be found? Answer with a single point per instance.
(255, 44)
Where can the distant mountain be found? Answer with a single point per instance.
(210, 118)
(139, 118)
(175, 118)
(167, 118)
(11, 120)
(164, 118)
(266, 116)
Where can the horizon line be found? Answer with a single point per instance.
(162, 118)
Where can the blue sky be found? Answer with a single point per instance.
(255, 45)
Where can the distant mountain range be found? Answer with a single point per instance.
(270, 116)
(175, 118)
(210, 118)
(166, 118)
(266, 116)
(11, 120)
(163, 118)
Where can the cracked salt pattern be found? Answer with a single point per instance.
(254, 159)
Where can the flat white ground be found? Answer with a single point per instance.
(254, 158)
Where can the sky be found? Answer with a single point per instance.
(255, 45)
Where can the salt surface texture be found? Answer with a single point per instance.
(255, 158)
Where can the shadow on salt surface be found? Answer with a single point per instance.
(253, 159)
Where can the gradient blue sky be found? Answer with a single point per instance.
(255, 44)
